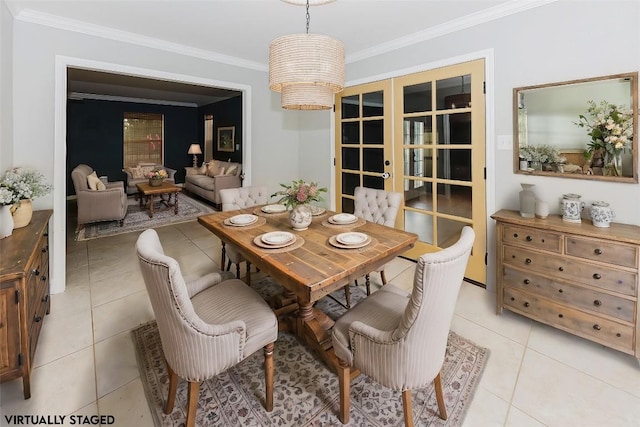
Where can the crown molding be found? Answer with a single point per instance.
(510, 8)
(35, 17)
(79, 96)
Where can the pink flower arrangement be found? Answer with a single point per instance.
(299, 193)
(157, 174)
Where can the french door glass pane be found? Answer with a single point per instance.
(454, 92)
(421, 224)
(375, 182)
(454, 128)
(418, 131)
(373, 160)
(418, 162)
(448, 231)
(372, 104)
(351, 107)
(373, 132)
(454, 200)
(417, 98)
(349, 182)
(418, 194)
(351, 158)
(347, 205)
(351, 133)
(454, 164)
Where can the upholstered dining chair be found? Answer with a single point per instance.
(377, 206)
(399, 339)
(238, 198)
(206, 326)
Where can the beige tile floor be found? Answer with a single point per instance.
(85, 361)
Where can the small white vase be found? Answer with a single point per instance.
(300, 217)
(6, 221)
(571, 208)
(527, 201)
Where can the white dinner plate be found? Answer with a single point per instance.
(277, 237)
(343, 218)
(244, 219)
(352, 238)
(274, 208)
(317, 210)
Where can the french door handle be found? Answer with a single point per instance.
(385, 175)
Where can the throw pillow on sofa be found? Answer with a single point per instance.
(233, 170)
(136, 173)
(94, 182)
(213, 169)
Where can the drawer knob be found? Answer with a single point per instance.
(560, 291)
(561, 315)
(515, 235)
(37, 318)
(36, 271)
(598, 251)
(597, 276)
(45, 298)
(44, 250)
(561, 268)
(597, 303)
(596, 327)
(526, 304)
(528, 260)
(529, 238)
(527, 281)
(43, 278)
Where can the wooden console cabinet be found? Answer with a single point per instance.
(576, 277)
(24, 297)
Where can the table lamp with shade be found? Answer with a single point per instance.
(195, 150)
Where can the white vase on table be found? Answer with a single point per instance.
(300, 217)
(6, 221)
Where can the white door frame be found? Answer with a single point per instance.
(59, 220)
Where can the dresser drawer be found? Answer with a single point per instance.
(612, 279)
(572, 295)
(604, 331)
(531, 237)
(598, 250)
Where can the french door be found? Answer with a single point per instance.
(430, 138)
(364, 150)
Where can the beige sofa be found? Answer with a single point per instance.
(207, 180)
(138, 174)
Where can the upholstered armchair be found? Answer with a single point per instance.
(139, 173)
(206, 326)
(399, 339)
(377, 206)
(104, 202)
(238, 198)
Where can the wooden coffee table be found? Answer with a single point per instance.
(147, 194)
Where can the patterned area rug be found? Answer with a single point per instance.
(305, 390)
(137, 218)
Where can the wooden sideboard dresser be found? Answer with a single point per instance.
(576, 277)
(24, 297)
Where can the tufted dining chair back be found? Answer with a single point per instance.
(377, 206)
(240, 198)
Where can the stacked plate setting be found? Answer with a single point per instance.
(350, 240)
(274, 208)
(275, 239)
(342, 219)
(241, 220)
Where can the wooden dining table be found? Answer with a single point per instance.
(310, 268)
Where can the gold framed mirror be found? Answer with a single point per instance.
(581, 129)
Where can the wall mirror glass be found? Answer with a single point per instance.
(557, 131)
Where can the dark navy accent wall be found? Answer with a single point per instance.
(94, 136)
(225, 113)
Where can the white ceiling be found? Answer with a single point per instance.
(239, 31)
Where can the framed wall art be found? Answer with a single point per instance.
(226, 138)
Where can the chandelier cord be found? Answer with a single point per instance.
(308, 17)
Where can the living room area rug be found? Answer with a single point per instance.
(305, 389)
(137, 218)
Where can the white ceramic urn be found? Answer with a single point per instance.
(601, 214)
(571, 208)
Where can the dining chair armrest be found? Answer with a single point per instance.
(198, 285)
(361, 330)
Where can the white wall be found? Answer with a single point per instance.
(274, 132)
(6, 88)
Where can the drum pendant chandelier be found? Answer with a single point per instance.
(307, 69)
